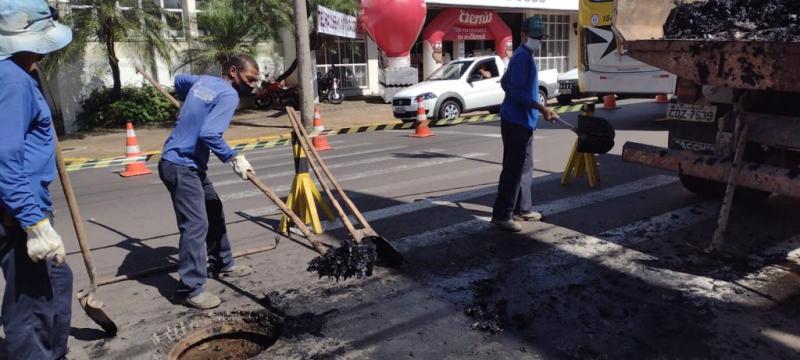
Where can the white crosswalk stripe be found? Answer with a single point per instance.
(482, 223)
(364, 174)
(273, 175)
(412, 184)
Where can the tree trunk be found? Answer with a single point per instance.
(304, 62)
(113, 61)
(314, 40)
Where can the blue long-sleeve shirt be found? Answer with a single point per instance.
(27, 147)
(521, 85)
(205, 115)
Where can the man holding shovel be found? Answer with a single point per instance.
(519, 114)
(38, 294)
(206, 113)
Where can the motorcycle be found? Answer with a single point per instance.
(276, 95)
(328, 88)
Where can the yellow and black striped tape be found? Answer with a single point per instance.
(279, 140)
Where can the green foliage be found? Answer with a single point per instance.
(142, 105)
(105, 22)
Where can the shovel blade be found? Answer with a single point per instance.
(388, 255)
(94, 310)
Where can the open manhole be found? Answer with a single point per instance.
(231, 335)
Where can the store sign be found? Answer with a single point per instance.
(511, 4)
(335, 23)
(475, 18)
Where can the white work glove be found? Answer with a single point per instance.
(44, 243)
(241, 166)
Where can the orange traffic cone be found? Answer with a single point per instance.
(320, 141)
(421, 130)
(609, 102)
(133, 151)
(662, 99)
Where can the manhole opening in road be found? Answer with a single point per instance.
(232, 335)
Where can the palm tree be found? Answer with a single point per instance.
(235, 26)
(105, 22)
(239, 25)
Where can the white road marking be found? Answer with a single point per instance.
(481, 224)
(466, 133)
(425, 203)
(273, 175)
(364, 174)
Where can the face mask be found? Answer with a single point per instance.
(242, 87)
(533, 44)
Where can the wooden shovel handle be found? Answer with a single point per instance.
(315, 155)
(285, 209)
(315, 167)
(158, 87)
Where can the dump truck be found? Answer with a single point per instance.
(735, 129)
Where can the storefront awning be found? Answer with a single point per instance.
(510, 4)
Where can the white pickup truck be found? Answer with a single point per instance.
(460, 87)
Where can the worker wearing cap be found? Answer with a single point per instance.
(519, 114)
(37, 301)
(206, 113)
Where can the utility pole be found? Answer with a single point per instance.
(304, 62)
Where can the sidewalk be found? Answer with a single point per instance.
(247, 124)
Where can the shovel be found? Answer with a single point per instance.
(595, 134)
(90, 304)
(388, 255)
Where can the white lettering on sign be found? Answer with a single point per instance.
(469, 18)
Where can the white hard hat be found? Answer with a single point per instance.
(30, 25)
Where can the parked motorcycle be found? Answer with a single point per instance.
(328, 88)
(276, 95)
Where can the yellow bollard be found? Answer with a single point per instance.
(582, 163)
(304, 196)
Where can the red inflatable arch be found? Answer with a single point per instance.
(469, 24)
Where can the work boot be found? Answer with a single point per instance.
(232, 272)
(529, 216)
(203, 301)
(507, 225)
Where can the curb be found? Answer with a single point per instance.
(76, 164)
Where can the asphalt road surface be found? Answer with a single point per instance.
(611, 273)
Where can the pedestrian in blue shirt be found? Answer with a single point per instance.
(37, 303)
(206, 113)
(519, 114)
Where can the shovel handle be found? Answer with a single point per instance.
(315, 155)
(77, 220)
(285, 209)
(315, 165)
(158, 87)
(566, 124)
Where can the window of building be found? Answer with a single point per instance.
(174, 9)
(554, 53)
(346, 58)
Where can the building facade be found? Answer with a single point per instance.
(355, 61)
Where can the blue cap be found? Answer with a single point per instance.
(534, 27)
(30, 25)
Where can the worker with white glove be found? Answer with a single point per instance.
(206, 113)
(37, 304)
(44, 243)
(241, 166)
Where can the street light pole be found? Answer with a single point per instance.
(304, 62)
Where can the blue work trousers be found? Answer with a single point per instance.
(514, 189)
(37, 303)
(204, 239)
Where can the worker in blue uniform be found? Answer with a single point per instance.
(206, 113)
(37, 301)
(519, 115)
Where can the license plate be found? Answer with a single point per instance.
(696, 113)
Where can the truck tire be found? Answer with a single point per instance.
(449, 110)
(542, 96)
